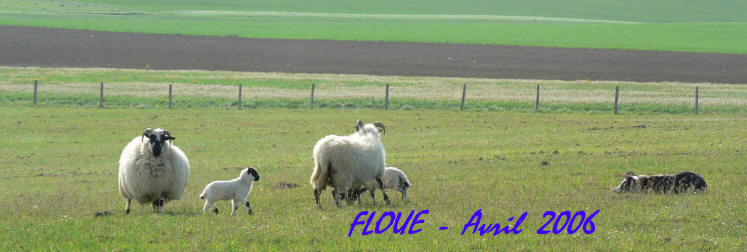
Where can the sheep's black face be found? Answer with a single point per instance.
(157, 138)
(253, 172)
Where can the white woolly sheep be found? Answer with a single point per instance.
(344, 162)
(393, 179)
(151, 170)
(237, 190)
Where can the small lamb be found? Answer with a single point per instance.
(393, 179)
(237, 190)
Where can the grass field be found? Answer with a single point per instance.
(79, 87)
(59, 168)
(669, 25)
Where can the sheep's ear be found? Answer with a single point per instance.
(358, 125)
(630, 173)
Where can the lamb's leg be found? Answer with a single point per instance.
(234, 207)
(248, 207)
(381, 184)
(209, 205)
(404, 194)
(373, 196)
(127, 206)
(316, 197)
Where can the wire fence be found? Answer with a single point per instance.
(615, 100)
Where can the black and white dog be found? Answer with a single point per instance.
(663, 183)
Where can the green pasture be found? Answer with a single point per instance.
(59, 168)
(667, 25)
(80, 87)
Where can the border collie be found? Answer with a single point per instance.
(663, 183)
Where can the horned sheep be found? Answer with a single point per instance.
(152, 170)
(345, 162)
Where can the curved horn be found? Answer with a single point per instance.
(358, 125)
(168, 135)
(146, 132)
(380, 127)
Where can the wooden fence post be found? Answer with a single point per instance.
(240, 96)
(312, 95)
(696, 100)
(537, 101)
(101, 95)
(170, 96)
(386, 98)
(464, 93)
(617, 93)
(36, 84)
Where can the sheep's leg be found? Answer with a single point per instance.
(381, 184)
(155, 206)
(234, 206)
(158, 204)
(373, 196)
(316, 197)
(127, 206)
(337, 197)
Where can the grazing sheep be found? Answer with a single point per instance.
(152, 170)
(668, 183)
(393, 179)
(235, 190)
(344, 162)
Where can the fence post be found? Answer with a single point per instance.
(373, 103)
(36, 84)
(617, 93)
(537, 101)
(464, 93)
(386, 99)
(696, 100)
(101, 95)
(312, 95)
(170, 96)
(240, 96)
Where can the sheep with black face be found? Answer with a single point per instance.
(152, 170)
(236, 190)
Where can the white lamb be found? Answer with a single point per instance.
(393, 179)
(152, 170)
(346, 162)
(237, 190)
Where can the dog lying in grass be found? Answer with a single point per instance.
(682, 182)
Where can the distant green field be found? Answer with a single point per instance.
(59, 167)
(79, 87)
(695, 26)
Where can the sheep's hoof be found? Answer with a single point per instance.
(215, 210)
(127, 211)
(250, 212)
